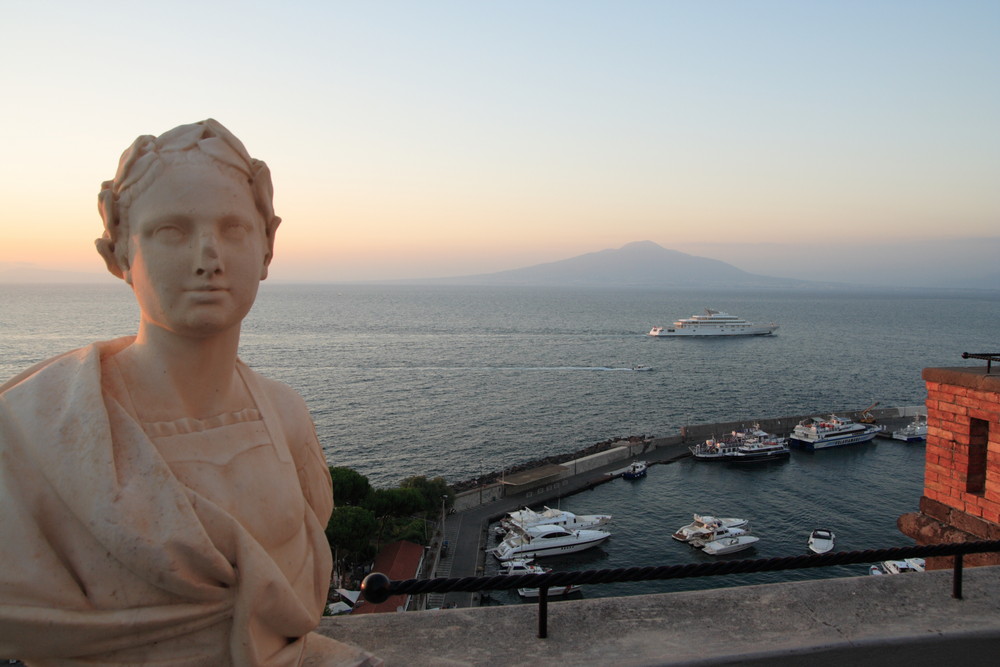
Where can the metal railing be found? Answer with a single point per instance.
(988, 357)
(377, 587)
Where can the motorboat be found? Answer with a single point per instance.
(876, 571)
(640, 367)
(713, 323)
(834, 431)
(915, 431)
(821, 540)
(729, 545)
(699, 541)
(704, 525)
(542, 541)
(635, 470)
(555, 517)
(904, 566)
(523, 566)
(746, 446)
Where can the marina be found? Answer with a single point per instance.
(782, 501)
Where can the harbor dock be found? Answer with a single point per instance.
(466, 528)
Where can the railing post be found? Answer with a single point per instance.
(543, 612)
(956, 581)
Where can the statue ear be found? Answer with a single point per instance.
(106, 249)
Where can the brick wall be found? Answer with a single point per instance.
(961, 500)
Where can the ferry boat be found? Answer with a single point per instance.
(915, 431)
(834, 431)
(714, 323)
(749, 446)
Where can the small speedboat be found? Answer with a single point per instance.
(904, 566)
(876, 571)
(523, 566)
(635, 470)
(821, 540)
(729, 545)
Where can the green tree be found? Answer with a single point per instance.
(351, 531)
(431, 492)
(349, 487)
(394, 502)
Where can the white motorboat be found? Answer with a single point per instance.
(705, 525)
(746, 446)
(699, 541)
(904, 566)
(553, 517)
(821, 540)
(522, 566)
(542, 541)
(729, 545)
(833, 431)
(915, 431)
(635, 470)
(714, 323)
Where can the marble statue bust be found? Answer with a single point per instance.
(160, 502)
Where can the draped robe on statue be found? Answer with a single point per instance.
(195, 542)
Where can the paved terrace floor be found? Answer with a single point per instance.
(906, 620)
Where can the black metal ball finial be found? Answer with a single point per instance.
(375, 588)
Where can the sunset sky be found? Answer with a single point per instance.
(420, 139)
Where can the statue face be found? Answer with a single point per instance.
(197, 250)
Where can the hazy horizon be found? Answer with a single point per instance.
(446, 138)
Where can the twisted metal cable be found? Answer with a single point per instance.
(377, 587)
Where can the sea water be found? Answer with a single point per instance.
(461, 381)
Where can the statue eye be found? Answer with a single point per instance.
(169, 233)
(235, 229)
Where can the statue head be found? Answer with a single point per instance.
(148, 157)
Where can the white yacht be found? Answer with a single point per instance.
(541, 541)
(833, 431)
(522, 566)
(742, 446)
(821, 540)
(704, 526)
(553, 517)
(730, 545)
(714, 323)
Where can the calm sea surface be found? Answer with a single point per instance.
(459, 381)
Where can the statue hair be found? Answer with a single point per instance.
(148, 156)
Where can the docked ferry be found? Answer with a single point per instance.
(714, 323)
(833, 431)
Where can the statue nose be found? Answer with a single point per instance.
(209, 261)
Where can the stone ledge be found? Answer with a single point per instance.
(852, 620)
(970, 377)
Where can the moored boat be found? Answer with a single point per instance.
(713, 323)
(729, 545)
(523, 566)
(821, 540)
(904, 566)
(704, 525)
(635, 470)
(747, 446)
(834, 431)
(557, 517)
(542, 541)
(915, 431)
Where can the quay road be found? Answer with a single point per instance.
(466, 531)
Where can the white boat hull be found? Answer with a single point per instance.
(729, 545)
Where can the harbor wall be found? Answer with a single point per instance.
(689, 435)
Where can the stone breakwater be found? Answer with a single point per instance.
(596, 448)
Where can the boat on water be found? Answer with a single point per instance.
(834, 431)
(904, 566)
(915, 431)
(636, 470)
(821, 540)
(713, 323)
(700, 541)
(524, 566)
(729, 545)
(542, 541)
(747, 446)
(554, 517)
(705, 525)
